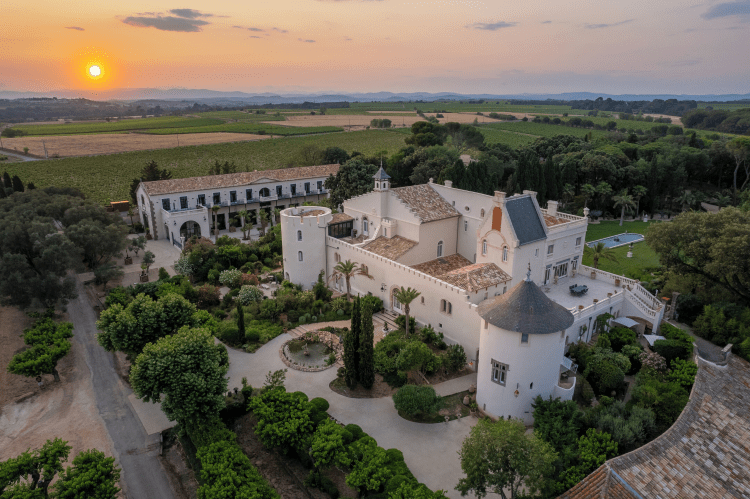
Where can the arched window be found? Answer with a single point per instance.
(505, 253)
(299, 235)
(443, 305)
(440, 249)
(484, 246)
(299, 256)
(336, 258)
(481, 213)
(365, 225)
(450, 308)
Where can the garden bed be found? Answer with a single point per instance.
(379, 389)
(312, 352)
(451, 407)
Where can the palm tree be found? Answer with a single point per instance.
(600, 250)
(624, 201)
(638, 192)
(722, 199)
(405, 297)
(589, 191)
(243, 218)
(687, 198)
(215, 209)
(568, 192)
(276, 215)
(604, 190)
(347, 270)
(263, 217)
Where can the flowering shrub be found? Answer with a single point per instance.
(208, 296)
(251, 279)
(249, 294)
(654, 361)
(231, 278)
(183, 266)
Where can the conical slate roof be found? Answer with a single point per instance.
(526, 309)
(381, 175)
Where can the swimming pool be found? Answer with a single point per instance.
(618, 240)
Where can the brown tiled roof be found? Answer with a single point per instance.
(550, 221)
(443, 265)
(159, 187)
(391, 248)
(477, 276)
(340, 217)
(312, 213)
(460, 272)
(706, 452)
(425, 203)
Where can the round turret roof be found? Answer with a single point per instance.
(380, 174)
(526, 309)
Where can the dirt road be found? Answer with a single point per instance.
(143, 475)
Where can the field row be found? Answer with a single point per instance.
(544, 130)
(124, 125)
(256, 128)
(107, 178)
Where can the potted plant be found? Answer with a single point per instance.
(128, 258)
(593, 274)
(617, 283)
(144, 272)
(148, 234)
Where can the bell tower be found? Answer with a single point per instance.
(381, 180)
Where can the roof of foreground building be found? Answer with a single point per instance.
(525, 219)
(460, 272)
(425, 203)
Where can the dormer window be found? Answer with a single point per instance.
(505, 253)
(484, 246)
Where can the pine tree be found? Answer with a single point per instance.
(351, 346)
(240, 322)
(366, 369)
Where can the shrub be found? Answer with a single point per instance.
(355, 431)
(320, 404)
(401, 322)
(163, 274)
(249, 294)
(375, 303)
(117, 295)
(621, 336)
(428, 334)
(583, 393)
(231, 278)
(252, 336)
(672, 349)
(633, 352)
(605, 376)
(340, 312)
(416, 400)
(208, 296)
(228, 333)
(683, 372)
(456, 357)
(653, 361)
(213, 276)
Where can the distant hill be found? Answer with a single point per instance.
(217, 97)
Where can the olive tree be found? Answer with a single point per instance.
(49, 343)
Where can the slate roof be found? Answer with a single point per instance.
(381, 175)
(340, 217)
(176, 185)
(425, 203)
(391, 248)
(525, 309)
(525, 219)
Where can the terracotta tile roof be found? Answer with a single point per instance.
(441, 266)
(476, 277)
(706, 452)
(175, 185)
(340, 217)
(425, 203)
(312, 213)
(601, 484)
(551, 221)
(354, 240)
(391, 248)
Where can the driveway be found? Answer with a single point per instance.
(430, 450)
(137, 453)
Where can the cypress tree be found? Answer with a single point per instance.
(240, 323)
(6, 181)
(17, 184)
(366, 369)
(351, 346)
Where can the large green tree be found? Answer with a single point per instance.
(366, 368)
(227, 472)
(283, 419)
(714, 246)
(499, 457)
(49, 343)
(346, 270)
(405, 296)
(144, 320)
(328, 446)
(93, 476)
(29, 475)
(354, 178)
(149, 173)
(464, 137)
(185, 372)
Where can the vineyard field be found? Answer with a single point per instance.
(506, 137)
(544, 130)
(248, 128)
(107, 177)
(117, 126)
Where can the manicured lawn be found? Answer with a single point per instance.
(643, 255)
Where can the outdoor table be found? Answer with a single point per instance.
(579, 290)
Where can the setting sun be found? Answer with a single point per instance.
(95, 71)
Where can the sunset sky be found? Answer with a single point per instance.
(469, 46)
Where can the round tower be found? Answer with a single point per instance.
(303, 243)
(521, 348)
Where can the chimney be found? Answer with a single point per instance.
(430, 180)
(552, 208)
(449, 183)
(499, 198)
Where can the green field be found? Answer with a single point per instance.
(512, 139)
(107, 178)
(458, 107)
(249, 128)
(643, 255)
(728, 106)
(117, 126)
(544, 130)
(242, 116)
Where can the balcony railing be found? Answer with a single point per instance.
(272, 197)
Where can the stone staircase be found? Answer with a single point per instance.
(386, 317)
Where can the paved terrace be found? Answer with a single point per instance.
(598, 289)
(705, 454)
